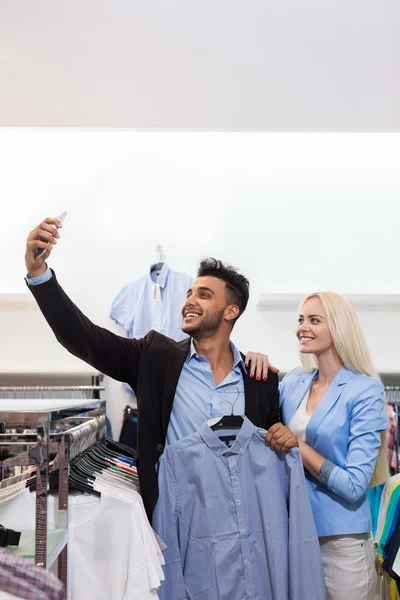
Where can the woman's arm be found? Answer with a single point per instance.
(367, 419)
(312, 461)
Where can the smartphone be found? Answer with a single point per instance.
(41, 251)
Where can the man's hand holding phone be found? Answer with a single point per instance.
(40, 244)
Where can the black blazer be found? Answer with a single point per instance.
(152, 366)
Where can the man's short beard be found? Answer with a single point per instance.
(208, 327)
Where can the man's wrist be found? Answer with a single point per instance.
(32, 273)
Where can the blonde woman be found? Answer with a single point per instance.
(334, 410)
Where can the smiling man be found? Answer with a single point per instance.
(178, 384)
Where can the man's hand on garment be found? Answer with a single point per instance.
(280, 438)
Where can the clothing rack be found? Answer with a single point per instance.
(46, 388)
(50, 391)
(44, 417)
(392, 393)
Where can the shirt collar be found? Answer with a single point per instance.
(212, 440)
(162, 277)
(237, 357)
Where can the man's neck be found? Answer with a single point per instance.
(217, 350)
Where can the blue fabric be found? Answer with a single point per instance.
(109, 428)
(345, 429)
(393, 528)
(197, 398)
(237, 521)
(374, 496)
(325, 472)
(41, 278)
(140, 307)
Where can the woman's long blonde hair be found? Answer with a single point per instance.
(352, 349)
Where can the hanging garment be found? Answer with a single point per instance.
(391, 439)
(152, 302)
(23, 579)
(112, 550)
(108, 557)
(388, 538)
(236, 520)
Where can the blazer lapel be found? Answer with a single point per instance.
(326, 403)
(293, 401)
(177, 355)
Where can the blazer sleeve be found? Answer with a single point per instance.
(367, 419)
(107, 352)
(274, 415)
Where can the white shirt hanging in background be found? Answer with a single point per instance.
(113, 553)
(152, 302)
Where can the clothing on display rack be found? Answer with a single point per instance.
(375, 494)
(113, 553)
(52, 392)
(152, 302)
(391, 440)
(393, 403)
(236, 519)
(22, 579)
(110, 534)
(388, 536)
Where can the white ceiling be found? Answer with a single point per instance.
(201, 64)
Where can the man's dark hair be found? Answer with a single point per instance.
(237, 286)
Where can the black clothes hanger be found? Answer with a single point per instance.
(120, 448)
(229, 421)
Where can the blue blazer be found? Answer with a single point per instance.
(345, 429)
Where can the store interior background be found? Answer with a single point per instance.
(153, 125)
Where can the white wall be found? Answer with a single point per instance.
(226, 64)
(296, 212)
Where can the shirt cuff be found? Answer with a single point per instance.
(324, 474)
(46, 276)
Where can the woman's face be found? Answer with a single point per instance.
(313, 331)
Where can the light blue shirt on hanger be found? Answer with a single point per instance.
(153, 301)
(236, 520)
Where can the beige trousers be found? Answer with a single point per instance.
(349, 567)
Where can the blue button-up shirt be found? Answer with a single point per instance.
(236, 520)
(153, 302)
(197, 398)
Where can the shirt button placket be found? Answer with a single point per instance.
(242, 524)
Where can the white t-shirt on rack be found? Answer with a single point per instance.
(112, 551)
(300, 419)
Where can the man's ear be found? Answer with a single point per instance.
(231, 313)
